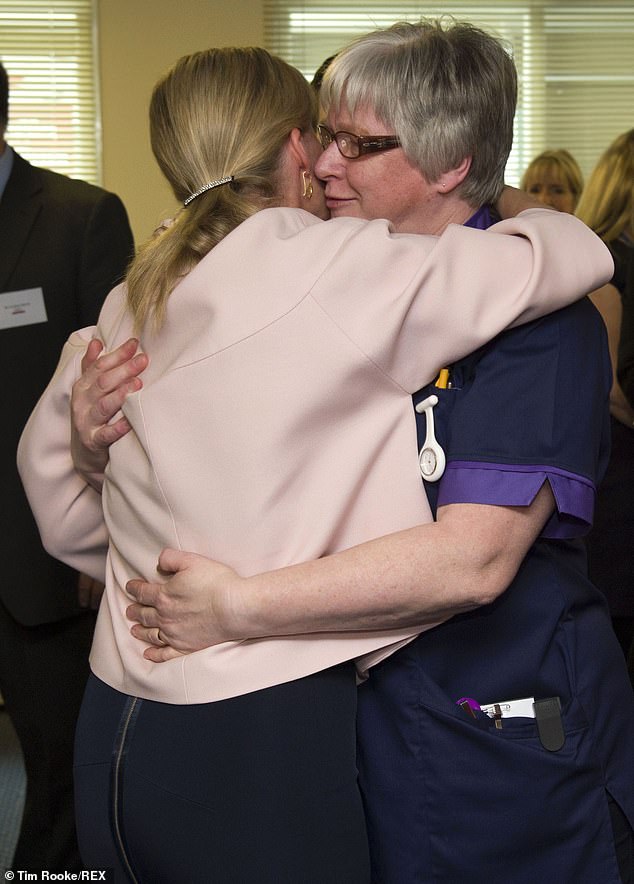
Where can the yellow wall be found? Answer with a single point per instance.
(138, 40)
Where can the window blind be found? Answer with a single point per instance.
(575, 60)
(48, 51)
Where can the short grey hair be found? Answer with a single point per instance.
(447, 88)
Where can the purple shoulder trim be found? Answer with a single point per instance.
(517, 485)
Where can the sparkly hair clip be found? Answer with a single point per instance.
(218, 183)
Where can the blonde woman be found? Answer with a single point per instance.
(274, 425)
(607, 206)
(555, 179)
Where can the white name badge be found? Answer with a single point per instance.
(25, 307)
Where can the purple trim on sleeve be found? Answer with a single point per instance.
(517, 485)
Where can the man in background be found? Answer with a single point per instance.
(63, 245)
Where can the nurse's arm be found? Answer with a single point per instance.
(411, 578)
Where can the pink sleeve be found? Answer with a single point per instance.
(443, 297)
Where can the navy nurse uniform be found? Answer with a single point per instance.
(453, 795)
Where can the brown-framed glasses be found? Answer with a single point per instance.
(353, 146)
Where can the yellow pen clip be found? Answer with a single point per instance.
(443, 379)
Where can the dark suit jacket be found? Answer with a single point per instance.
(74, 241)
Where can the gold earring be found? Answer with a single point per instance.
(307, 190)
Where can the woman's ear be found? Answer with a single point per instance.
(297, 149)
(448, 181)
(296, 185)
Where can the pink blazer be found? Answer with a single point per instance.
(275, 424)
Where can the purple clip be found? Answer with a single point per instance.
(469, 705)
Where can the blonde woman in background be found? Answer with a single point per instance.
(555, 179)
(607, 206)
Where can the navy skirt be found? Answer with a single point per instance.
(261, 787)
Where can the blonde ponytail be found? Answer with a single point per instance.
(217, 113)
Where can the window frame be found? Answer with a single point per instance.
(49, 50)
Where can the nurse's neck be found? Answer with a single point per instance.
(437, 214)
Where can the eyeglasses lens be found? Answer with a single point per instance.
(348, 145)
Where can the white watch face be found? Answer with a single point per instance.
(428, 461)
